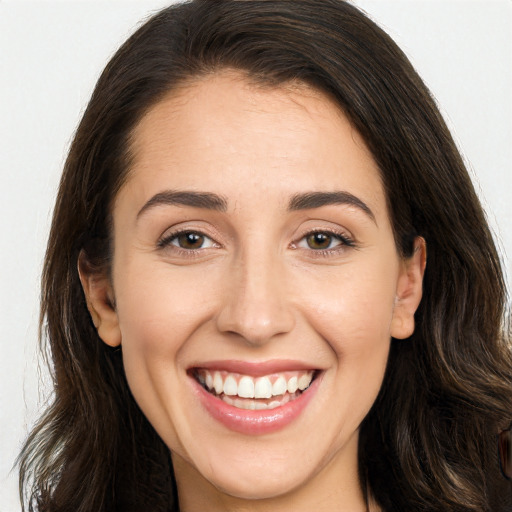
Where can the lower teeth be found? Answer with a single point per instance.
(258, 405)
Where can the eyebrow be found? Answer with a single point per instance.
(317, 199)
(205, 200)
(210, 201)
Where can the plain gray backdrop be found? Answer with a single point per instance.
(51, 54)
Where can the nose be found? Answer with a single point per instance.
(256, 305)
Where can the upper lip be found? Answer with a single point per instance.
(255, 368)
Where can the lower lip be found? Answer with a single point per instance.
(255, 422)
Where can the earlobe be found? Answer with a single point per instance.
(409, 291)
(100, 301)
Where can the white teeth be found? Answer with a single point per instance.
(280, 387)
(245, 388)
(244, 404)
(218, 384)
(255, 405)
(263, 388)
(230, 387)
(228, 400)
(293, 385)
(305, 381)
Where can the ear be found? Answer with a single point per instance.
(409, 291)
(100, 301)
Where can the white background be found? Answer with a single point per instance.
(51, 54)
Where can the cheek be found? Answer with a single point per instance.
(159, 310)
(159, 307)
(352, 307)
(352, 312)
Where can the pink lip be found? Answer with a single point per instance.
(255, 422)
(255, 369)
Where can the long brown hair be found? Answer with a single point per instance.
(430, 441)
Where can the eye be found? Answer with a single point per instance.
(320, 241)
(187, 240)
(324, 241)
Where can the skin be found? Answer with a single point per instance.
(256, 289)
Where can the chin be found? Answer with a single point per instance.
(268, 480)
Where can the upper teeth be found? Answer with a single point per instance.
(245, 386)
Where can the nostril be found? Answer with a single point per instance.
(255, 327)
(255, 305)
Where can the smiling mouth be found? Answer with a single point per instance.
(255, 393)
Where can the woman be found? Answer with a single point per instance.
(236, 291)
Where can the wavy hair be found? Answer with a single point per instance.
(429, 443)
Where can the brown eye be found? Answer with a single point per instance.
(319, 241)
(189, 240)
(325, 242)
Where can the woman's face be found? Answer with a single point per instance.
(253, 253)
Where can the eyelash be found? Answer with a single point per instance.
(168, 240)
(345, 241)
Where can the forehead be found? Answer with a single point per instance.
(222, 133)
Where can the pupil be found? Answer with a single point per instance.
(191, 240)
(319, 241)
